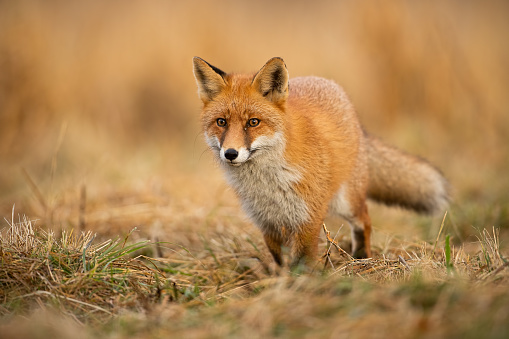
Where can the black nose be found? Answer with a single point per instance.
(231, 154)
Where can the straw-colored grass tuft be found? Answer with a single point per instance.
(71, 271)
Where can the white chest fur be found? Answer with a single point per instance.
(265, 185)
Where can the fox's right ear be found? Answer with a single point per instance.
(209, 79)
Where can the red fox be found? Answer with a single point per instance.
(294, 151)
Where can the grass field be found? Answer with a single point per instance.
(118, 224)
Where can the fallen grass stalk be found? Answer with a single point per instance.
(46, 293)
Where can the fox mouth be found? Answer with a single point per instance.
(243, 157)
(234, 163)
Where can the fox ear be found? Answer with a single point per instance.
(272, 80)
(210, 79)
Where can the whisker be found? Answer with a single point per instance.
(194, 146)
(202, 153)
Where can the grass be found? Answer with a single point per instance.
(70, 272)
(69, 282)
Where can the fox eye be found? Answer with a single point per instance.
(253, 122)
(221, 122)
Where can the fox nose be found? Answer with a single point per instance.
(231, 154)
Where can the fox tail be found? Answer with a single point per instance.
(397, 178)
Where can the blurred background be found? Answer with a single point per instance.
(99, 111)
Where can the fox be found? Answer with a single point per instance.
(294, 152)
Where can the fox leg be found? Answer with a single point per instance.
(305, 243)
(361, 233)
(274, 243)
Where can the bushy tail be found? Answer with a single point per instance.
(397, 178)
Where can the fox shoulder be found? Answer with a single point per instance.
(320, 92)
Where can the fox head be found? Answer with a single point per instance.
(242, 115)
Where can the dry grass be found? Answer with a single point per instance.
(99, 137)
(68, 283)
(81, 277)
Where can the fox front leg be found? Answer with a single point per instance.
(305, 244)
(274, 243)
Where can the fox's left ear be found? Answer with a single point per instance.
(272, 80)
(210, 79)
